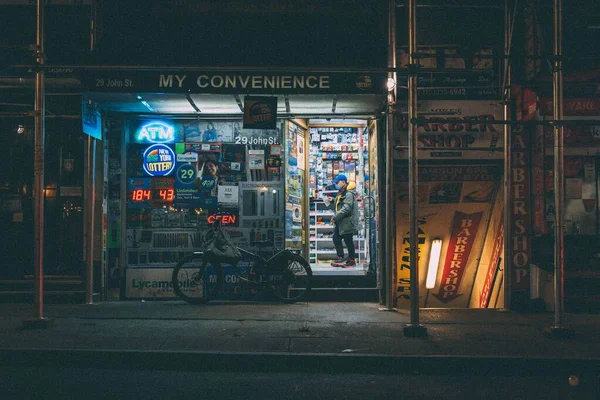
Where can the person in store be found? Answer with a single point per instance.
(345, 220)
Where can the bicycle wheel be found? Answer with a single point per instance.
(292, 278)
(193, 280)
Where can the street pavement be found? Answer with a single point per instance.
(303, 337)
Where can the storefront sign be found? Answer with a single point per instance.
(521, 211)
(199, 147)
(187, 157)
(228, 195)
(229, 218)
(91, 118)
(260, 112)
(263, 137)
(574, 107)
(155, 132)
(462, 238)
(149, 192)
(234, 82)
(256, 159)
(457, 85)
(192, 194)
(156, 282)
(486, 292)
(446, 173)
(159, 160)
(274, 162)
(538, 194)
(453, 129)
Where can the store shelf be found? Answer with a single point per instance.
(331, 155)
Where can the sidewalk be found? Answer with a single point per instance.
(323, 335)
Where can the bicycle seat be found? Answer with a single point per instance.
(263, 243)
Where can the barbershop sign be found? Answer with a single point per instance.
(462, 129)
(233, 82)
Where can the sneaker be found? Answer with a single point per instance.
(350, 263)
(339, 262)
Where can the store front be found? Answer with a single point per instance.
(180, 156)
(460, 206)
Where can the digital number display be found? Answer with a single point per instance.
(163, 195)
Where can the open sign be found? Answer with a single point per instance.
(226, 218)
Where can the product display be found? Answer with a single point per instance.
(333, 151)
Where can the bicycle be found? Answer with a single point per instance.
(286, 274)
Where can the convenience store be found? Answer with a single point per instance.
(179, 153)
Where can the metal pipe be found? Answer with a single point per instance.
(441, 5)
(413, 164)
(389, 167)
(91, 159)
(421, 148)
(244, 69)
(28, 114)
(559, 227)
(240, 115)
(38, 168)
(508, 35)
(547, 122)
(507, 161)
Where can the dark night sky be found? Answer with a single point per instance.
(349, 33)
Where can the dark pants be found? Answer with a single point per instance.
(337, 241)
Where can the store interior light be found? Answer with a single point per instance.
(391, 84)
(20, 129)
(434, 263)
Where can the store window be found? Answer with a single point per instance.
(181, 176)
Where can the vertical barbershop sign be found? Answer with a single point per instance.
(520, 211)
(462, 238)
(486, 292)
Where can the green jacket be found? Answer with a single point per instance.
(346, 213)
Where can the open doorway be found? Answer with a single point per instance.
(337, 148)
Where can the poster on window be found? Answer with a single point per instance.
(209, 131)
(300, 147)
(256, 159)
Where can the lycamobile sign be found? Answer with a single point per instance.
(156, 282)
(143, 284)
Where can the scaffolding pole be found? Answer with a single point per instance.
(414, 329)
(38, 320)
(507, 158)
(559, 227)
(390, 275)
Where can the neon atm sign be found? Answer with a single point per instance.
(155, 132)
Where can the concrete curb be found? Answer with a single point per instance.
(302, 362)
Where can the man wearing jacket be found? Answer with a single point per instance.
(346, 222)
